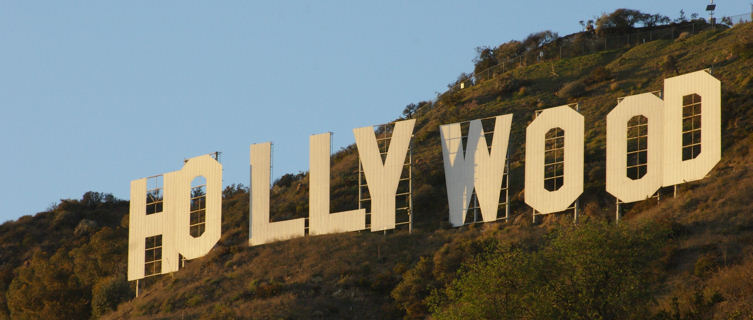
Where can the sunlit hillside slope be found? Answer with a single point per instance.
(689, 256)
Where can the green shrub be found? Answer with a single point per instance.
(572, 89)
(508, 85)
(268, 289)
(108, 293)
(599, 74)
(589, 271)
(669, 64)
(744, 47)
(705, 264)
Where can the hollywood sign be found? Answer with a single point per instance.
(651, 143)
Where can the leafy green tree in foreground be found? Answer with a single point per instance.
(590, 271)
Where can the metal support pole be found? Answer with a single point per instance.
(675, 194)
(137, 288)
(410, 187)
(507, 189)
(575, 212)
(475, 208)
(359, 183)
(617, 212)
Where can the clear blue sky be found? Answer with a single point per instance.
(95, 94)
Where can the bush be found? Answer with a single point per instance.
(507, 85)
(417, 283)
(669, 64)
(509, 50)
(705, 264)
(599, 74)
(48, 288)
(195, 300)
(743, 47)
(588, 271)
(108, 293)
(572, 89)
(624, 20)
(433, 273)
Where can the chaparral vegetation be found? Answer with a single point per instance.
(683, 256)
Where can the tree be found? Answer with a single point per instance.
(670, 64)
(489, 288)
(48, 289)
(108, 293)
(508, 50)
(417, 283)
(434, 273)
(682, 18)
(483, 62)
(655, 20)
(588, 271)
(621, 21)
(409, 110)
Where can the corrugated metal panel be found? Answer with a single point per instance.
(211, 170)
(141, 226)
(173, 222)
(458, 172)
(536, 196)
(618, 183)
(383, 177)
(676, 170)
(262, 231)
(490, 166)
(476, 168)
(320, 219)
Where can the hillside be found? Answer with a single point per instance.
(696, 248)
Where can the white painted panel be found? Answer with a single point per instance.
(141, 226)
(476, 168)
(173, 222)
(458, 172)
(383, 177)
(320, 219)
(618, 183)
(169, 206)
(262, 231)
(490, 167)
(536, 196)
(676, 170)
(211, 170)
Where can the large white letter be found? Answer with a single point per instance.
(189, 246)
(320, 219)
(383, 177)
(461, 173)
(142, 226)
(167, 223)
(536, 195)
(707, 89)
(260, 230)
(619, 184)
(458, 171)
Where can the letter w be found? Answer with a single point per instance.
(478, 167)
